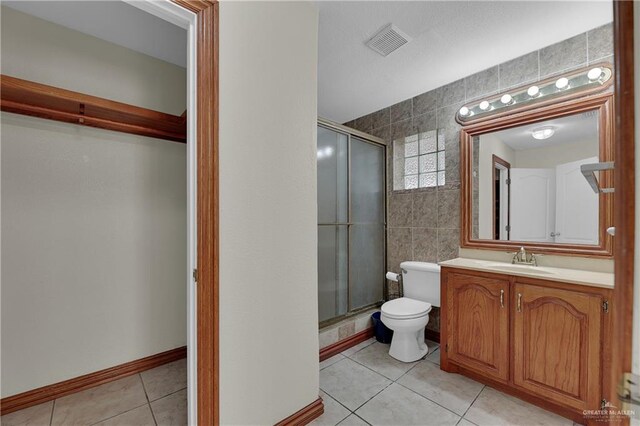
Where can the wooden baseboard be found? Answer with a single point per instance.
(305, 415)
(345, 344)
(60, 389)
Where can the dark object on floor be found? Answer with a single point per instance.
(382, 333)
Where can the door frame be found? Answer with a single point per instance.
(207, 209)
(623, 35)
(505, 165)
(201, 20)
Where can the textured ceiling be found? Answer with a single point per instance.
(451, 40)
(116, 22)
(570, 129)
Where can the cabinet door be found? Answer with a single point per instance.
(557, 337)
(478, 324)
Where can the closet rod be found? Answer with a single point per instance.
(52, 103)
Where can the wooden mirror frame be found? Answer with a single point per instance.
(601, 102)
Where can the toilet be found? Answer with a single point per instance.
(409, 315)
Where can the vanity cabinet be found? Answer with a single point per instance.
(478, 313)
(557, 344)
(540, 340)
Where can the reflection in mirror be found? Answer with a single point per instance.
(527, 184)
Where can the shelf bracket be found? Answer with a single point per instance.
(589, 172)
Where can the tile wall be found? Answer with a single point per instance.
(424, 224)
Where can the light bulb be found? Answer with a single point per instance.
(543, 132)
(464, 111)
(562, 83)
(506, 99)
(533, 91)
(484, 105)
(594, 74)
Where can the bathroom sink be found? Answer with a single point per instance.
(519, 268)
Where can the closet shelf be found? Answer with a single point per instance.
(39, 100)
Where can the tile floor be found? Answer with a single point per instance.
(154, 397)
(365, 386)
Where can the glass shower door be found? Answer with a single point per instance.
(366, 237)
(351, 227)
(333, 217)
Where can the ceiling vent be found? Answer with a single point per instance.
(388, 39)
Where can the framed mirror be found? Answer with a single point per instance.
(524, 184)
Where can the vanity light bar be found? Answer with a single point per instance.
(576, 81)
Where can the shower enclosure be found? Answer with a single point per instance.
(351, 221)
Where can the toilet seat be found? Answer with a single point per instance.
(405, 308)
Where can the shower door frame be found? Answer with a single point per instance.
(378, 142)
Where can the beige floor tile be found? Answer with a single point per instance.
(353, 420)
(350, 383)
(37, 415)
(140, 416)
(434, 356)
(99, 403)
(171, 410)
(333, 414)
(464, 422)
(399, 406)
(166, 379)
(352, 350)
(493, 408)
(377, 358)
(452, 391)
(330, 361)
(432, 345)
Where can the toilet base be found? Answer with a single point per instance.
(408, 342)
(408, 347)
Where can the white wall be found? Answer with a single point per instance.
(93, 221)
(268, 240)
(550, 156)
(37, 50)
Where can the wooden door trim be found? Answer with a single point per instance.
(624, 175)
(207, 209)
(507, 165)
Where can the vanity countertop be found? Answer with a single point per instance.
(573, 276)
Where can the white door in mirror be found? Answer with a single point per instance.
(554, 205)
(576, 205)
(533, 205)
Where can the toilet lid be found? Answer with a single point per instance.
(405, 308)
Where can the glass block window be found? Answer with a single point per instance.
(419, 161)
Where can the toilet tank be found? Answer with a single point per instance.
(421, 281)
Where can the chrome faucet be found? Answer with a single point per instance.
(523, 257)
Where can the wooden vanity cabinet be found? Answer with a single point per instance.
(478, 316)
(557, 344)
(540, 340)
